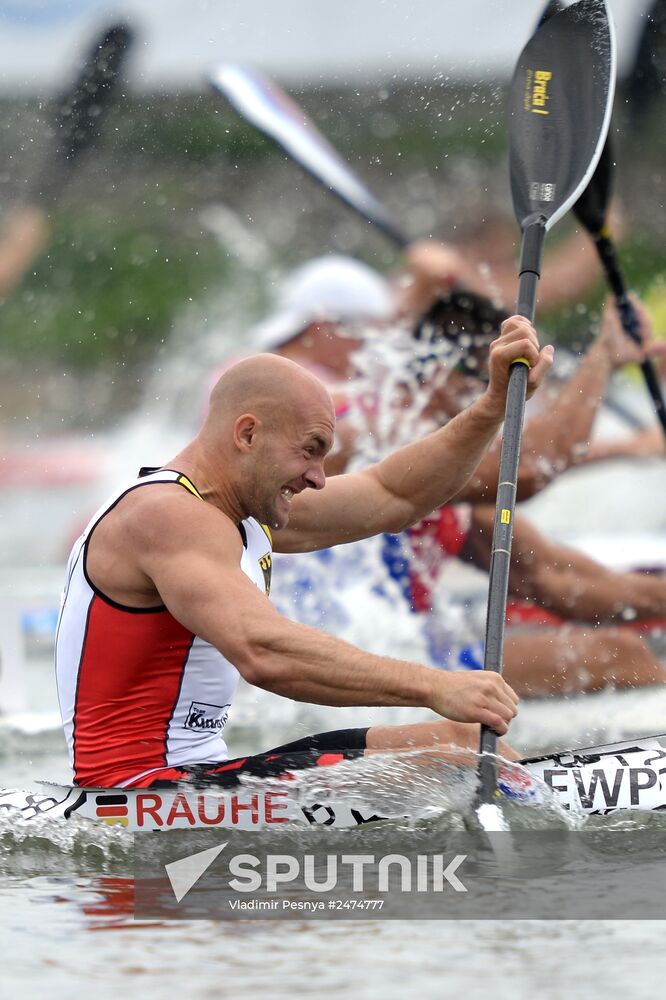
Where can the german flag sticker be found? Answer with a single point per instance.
(112, 809)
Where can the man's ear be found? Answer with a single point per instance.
(245, 431)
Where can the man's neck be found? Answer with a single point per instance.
(192, 462)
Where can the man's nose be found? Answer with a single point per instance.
(315, 476)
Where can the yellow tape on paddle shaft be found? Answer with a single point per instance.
(521, 361)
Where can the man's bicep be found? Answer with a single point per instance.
(205, 589)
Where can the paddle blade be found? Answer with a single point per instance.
(262, 103)
(553, 7)
(590, 209)
(560, 103)
(82, 110)
(647, 78)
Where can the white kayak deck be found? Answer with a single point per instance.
(626, 776)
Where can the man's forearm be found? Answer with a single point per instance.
(304, 664)
(307, 665)
(429, 472)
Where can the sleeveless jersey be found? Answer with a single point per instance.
(137, 690)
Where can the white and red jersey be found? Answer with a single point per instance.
(138, 690)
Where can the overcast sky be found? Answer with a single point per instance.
(295, 40)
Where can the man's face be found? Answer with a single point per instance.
(290, 458)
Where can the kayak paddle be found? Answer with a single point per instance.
(82, 109)
(469, 320)
(646, 81)
(268, 108)
(77, 126)
(559, 112)
(590, 209)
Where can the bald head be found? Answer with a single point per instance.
(269, 428)
(266, 385)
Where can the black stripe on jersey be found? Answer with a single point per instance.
(78, 682)
(176, 700)
(153, 609)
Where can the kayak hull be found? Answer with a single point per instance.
(597, 780)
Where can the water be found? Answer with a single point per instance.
(520, 959)
(67, 896)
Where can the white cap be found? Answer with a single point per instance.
(327, 289)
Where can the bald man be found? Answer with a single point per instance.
(166, 600)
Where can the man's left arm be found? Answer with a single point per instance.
(422, 476)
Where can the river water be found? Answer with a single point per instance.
(66, 894)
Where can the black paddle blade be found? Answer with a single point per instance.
(647, 79)
(593, 202)
(559, 104)
(553, 7)
(82, 110)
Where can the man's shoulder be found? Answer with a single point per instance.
(165, 513)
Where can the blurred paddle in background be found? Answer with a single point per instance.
(464, 317)
(266, 106)
(79, 122)
(646, 83)
(591, 209)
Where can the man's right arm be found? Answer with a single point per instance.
(195, 569)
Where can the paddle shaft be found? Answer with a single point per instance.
(370, 209)
(395, 235)
(261, 102)
(630, 324)
(590, 210)
(534, 231)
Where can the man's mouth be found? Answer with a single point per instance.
(287, 493)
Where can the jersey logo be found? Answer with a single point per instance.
(266, 566)
(209, 718)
